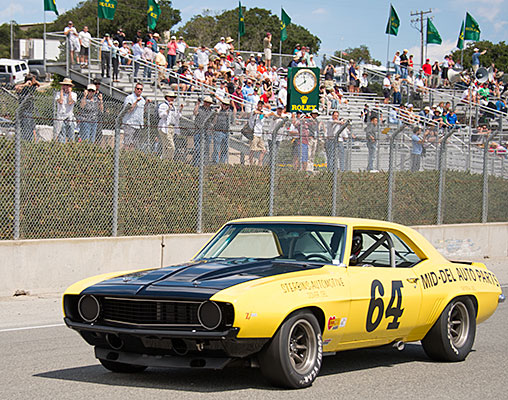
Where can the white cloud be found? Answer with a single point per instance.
(319, 11)
(10, 10)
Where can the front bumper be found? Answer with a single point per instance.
(165, 361)
(164, 333)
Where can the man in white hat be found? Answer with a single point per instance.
(203, 115)
(91, 108)
(169, 124)
(65, 122)
(162, 64)
(73, 41)
(315, 129)
(221, 126)
(221, 47)
(181, 46)
(476, 59)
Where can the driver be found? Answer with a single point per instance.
(356, 248)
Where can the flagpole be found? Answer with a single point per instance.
(98, 32)
(280, 54)
(388, 55)
(238, 40)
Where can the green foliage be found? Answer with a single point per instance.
(207, 29)
(360, 54)
(496, 53)
(67, 191)
(5, 39)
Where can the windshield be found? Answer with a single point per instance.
(282, 241)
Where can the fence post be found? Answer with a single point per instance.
(273, 158)
(442, 173)
(391, 180)
(201, 176)
(335, 187)
(485, 194)
(116, 169)
(378, 137)
(17, 171)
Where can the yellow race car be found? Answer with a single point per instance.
(279, 293)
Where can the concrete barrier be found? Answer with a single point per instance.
(50, 265)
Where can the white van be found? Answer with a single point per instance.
(17, 69)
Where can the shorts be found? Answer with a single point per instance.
(84, 51)
(268, 54)
(74, 45)
(353, 82)
(257, 144)
(386, 93)
(130, 135)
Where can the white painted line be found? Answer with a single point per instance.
(30, 327)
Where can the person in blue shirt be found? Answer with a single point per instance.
(451, 118)
(476, 59)
(417, 149)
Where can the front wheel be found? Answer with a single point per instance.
(293, 357)
(115, 366)
(452, 336)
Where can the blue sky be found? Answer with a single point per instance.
(339, 23)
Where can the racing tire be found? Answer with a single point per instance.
(292, 359)
(114, 366)
(452, 336)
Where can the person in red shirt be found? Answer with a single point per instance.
(427, 69)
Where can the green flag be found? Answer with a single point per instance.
(50, 5)
(153, 11)
(392, 27)
(106, 8)
(460, 41)
(432, 33)
(241, 23)
(284, 22)
(472, 29)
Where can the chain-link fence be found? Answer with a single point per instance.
(75, 164)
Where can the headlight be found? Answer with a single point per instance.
(89, 308)
(209, 315)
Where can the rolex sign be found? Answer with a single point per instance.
(303, 89)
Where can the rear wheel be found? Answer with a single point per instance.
(452, 336)
(293, 357)
(121, 367)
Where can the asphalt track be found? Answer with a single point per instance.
(42, 359)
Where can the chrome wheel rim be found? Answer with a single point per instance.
(302, 346)
(458, 324)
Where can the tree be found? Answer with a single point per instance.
(360, 54)
(496, 53)
(130, 16)
(207, 28)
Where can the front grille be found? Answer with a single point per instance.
(150, 312)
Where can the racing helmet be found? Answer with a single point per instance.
(357, 244)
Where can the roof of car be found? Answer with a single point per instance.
(8, 61)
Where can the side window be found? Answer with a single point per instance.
(405, 257)
(18, 68)
(381, 249)
(3, 68)
(24, 67)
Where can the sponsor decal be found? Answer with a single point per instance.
(333, 323)
(326, 341)
(461, 274)
(250, 315)
(317, 284)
